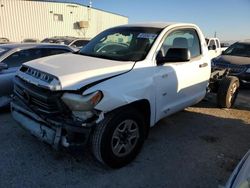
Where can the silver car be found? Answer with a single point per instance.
(70, 41)
(13, 55)
(240, 178)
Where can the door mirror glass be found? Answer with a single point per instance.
(3, 66)
(174, 55)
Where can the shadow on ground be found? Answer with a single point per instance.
(242, 102)
(193, 148)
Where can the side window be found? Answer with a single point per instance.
(217, 43)
(54, 51)
(18, 58)
(211, 43)
(183, 38)
(207, 40)
(79, 43)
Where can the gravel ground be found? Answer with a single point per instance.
(198, 147)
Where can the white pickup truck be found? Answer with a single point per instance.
(118, 86)
(214, 47)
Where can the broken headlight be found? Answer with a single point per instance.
(77, 102)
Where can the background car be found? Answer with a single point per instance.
(30, 40)
(12, 56)
(214, 47)
(70, 41)
(241, 174)
(237, 59)
(224, 45)
(4, 40)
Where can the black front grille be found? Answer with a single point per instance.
(39, 99)
(233, 68)
(37, 74)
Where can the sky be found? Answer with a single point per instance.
(230, 19)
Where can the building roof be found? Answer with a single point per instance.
(75, 3)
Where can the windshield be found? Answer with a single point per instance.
(3, 51)
(122, 43)
(238, 49)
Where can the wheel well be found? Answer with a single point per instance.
(142, 106)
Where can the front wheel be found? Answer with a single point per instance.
(227, 91)
(117, 140)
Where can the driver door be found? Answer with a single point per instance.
(6, 76)
(14, 61)
(181, 84)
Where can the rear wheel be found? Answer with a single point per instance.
(117, 140)
(227, 91)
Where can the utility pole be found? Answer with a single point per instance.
(90, 3)
(215, 34)
(89, 10)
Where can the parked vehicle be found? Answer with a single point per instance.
(214, 47)
(12, 56)
(237, 60)
(224, 46)
(241, 174)
(4, 40)
(112, 96)
(70, 41)
(30, 40)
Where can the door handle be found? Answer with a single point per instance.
(203, 65)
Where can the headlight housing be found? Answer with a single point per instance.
(248, 70)
(55, 85)
(77, 102)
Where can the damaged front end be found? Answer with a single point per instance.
(55, 117)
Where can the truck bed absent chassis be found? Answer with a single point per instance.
(216, 76)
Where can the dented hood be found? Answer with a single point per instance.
(75, 71)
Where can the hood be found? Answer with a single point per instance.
(234, 59)
(75, 71)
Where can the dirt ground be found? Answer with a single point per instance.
(196, 148)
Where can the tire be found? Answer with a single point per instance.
(227, 92)
(110, 137)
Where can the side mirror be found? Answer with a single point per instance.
(160, 59)
(174, 55)
(3, 66)
(213, 47)
(223, 52)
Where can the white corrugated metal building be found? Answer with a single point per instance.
(20, 19)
